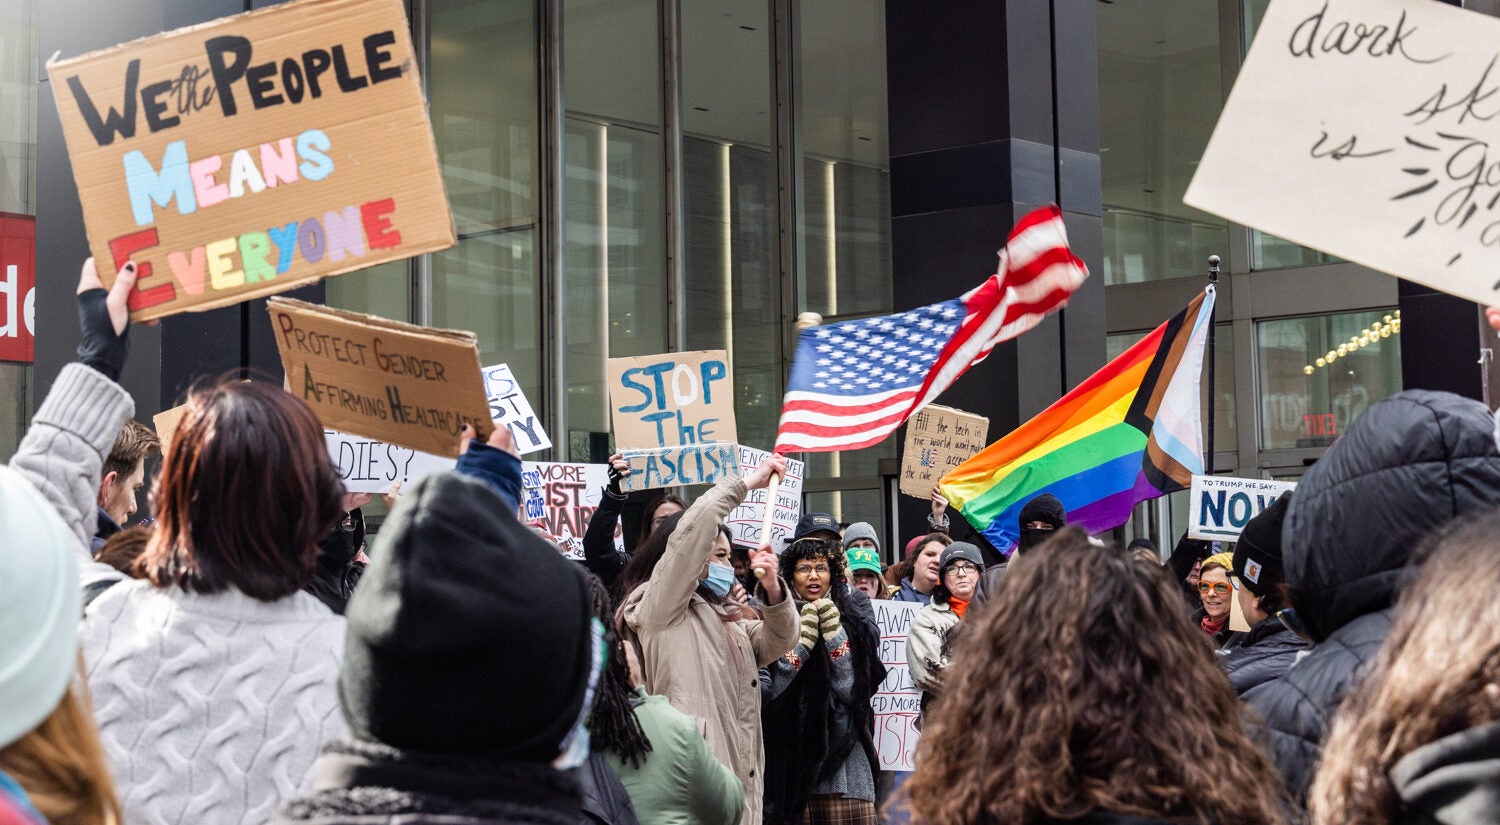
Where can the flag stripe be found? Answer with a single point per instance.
(1128, 433)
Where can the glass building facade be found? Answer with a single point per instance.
(630, 177)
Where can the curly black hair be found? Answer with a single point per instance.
(832, 551)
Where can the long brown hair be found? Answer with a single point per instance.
(1437, 674)
(246, 490)
(1084, 687)
(61, 766)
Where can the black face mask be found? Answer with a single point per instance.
(1031, 537)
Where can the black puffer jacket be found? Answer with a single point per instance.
(1407, 465)
(1266, 653)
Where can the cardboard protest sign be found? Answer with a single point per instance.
(674, 418)
(937, 440)
(1364, 128)
(1220, 506)
(370, 466)
(254, 154)
(401, 384)
(561, 498)
(166, 423)
(898, 702)
(747, 520)
(508, 406)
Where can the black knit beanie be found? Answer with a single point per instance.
(468, 634)
(1045, 507)
(1257, 553)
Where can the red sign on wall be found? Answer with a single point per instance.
(1319, 425)
(17, 287)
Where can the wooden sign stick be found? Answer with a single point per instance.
(806, 320)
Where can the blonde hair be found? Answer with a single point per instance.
(60, 764)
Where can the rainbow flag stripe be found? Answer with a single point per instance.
(1131, 432)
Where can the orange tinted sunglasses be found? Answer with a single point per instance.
(1222, 588)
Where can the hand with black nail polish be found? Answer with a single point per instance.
(104, 319)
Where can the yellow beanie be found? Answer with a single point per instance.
(1224, 560)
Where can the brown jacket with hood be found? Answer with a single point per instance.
(707, 667)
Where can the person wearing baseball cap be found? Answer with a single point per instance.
(862, 556)
(817, 526)
(1270, 647)
(927, 645)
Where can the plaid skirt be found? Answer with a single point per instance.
(839, 810)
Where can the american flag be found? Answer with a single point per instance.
(853, 383)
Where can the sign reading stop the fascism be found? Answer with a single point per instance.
(254, 154)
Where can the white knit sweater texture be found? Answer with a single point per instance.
(212, 708)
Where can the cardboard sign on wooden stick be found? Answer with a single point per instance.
(1367, 129)
(406, 385)
(254, 154)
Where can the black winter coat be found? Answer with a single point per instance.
(1266, 653)
(1409, 464)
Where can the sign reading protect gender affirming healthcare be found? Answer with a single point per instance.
(1368, 129)
(673, 416)
(405, 385)
(254, 154)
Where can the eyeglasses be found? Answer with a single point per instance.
(1221, 588)
(963, 568)
(804, 569)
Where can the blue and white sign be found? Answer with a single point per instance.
(1221, 506)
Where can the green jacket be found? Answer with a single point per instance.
(681, 783)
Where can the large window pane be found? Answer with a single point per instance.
(482, 81)
(1319, 373)
(488, 284)
(1159, 96)
(732, 286)
(614, 267)
(383, 290)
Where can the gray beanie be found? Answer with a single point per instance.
(860, 530)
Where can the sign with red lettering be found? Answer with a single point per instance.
(1317, 425)
(406, 385)
(254, 154)
(560, 499)
(17, 287)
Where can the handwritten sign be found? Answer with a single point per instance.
(674, 418)
(166, 423)
(747, 520)
(1221, 506)
(561, 498)
(1365, 128)
(406, 385)
(370, 466)
(508, 406)
(898, 702)
(254, 154)
(937, 440)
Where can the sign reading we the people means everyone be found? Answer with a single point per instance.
(405, 385)
(1368, 129)
(254, 154)
(673, 416)
(1221, 506)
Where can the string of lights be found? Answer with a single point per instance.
(1388, 325)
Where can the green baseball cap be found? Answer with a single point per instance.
(862, 558)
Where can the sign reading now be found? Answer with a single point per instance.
(1221, 506)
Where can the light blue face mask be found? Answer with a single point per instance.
(720, 578)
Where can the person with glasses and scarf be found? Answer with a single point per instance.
(699, 649)
(817, 718)
(930, 642)
(1214, 592)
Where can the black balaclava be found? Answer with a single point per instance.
(1044, 507)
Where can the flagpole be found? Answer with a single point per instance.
(1213, 281)
(806, 320)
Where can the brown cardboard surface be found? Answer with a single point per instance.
(329, 183)
(406, 385)
(166, 423)
(670, 400)
(937, 440)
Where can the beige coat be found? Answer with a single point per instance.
(709, 668)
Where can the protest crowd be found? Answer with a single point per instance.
(248, 657)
